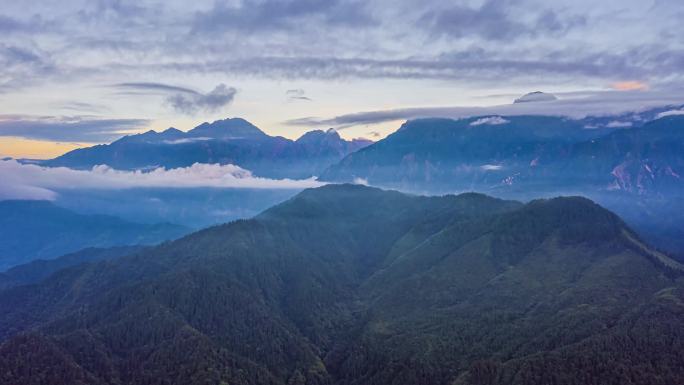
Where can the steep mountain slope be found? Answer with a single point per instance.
(233, 141)
(443, 154)
(38, 270)
(641, 160)
(352, 285)
(520, 153)
(40, 230)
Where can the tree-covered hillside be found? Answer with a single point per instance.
(347, 284)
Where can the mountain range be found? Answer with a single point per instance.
(637, 171)
(229, 141)
(346, 284)
(524, 153)
(41, 230)
(631, 163)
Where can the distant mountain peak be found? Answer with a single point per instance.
(152, 136)
(230, 128)
(536, 96)
(227, 141)
(316, 135)
(172, 130)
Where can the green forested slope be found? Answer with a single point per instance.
(353, 285)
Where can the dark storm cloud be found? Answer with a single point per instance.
(67, 129)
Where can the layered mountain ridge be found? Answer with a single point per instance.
(552, 153)
(346, 284)
(41, 230)
(228, 141)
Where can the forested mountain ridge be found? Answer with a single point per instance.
(37, 270)
(347, 284)
(638, 171)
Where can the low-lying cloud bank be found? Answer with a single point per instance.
(572, 105)
(28, 181)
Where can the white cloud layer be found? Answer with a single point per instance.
(361, 181)
(670, 113)
(491, 167)
(574, 105)
(28, 181)
(490, 120)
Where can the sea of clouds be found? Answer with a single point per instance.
(30, 181)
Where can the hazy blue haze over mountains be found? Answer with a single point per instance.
(632, 163)
(40, 230)
(192, 207)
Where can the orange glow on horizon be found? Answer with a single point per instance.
(35, 149)
(630, 85)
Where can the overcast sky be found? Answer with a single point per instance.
(85, 71)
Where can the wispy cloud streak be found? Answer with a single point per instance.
(85, 129)
(574, 106)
